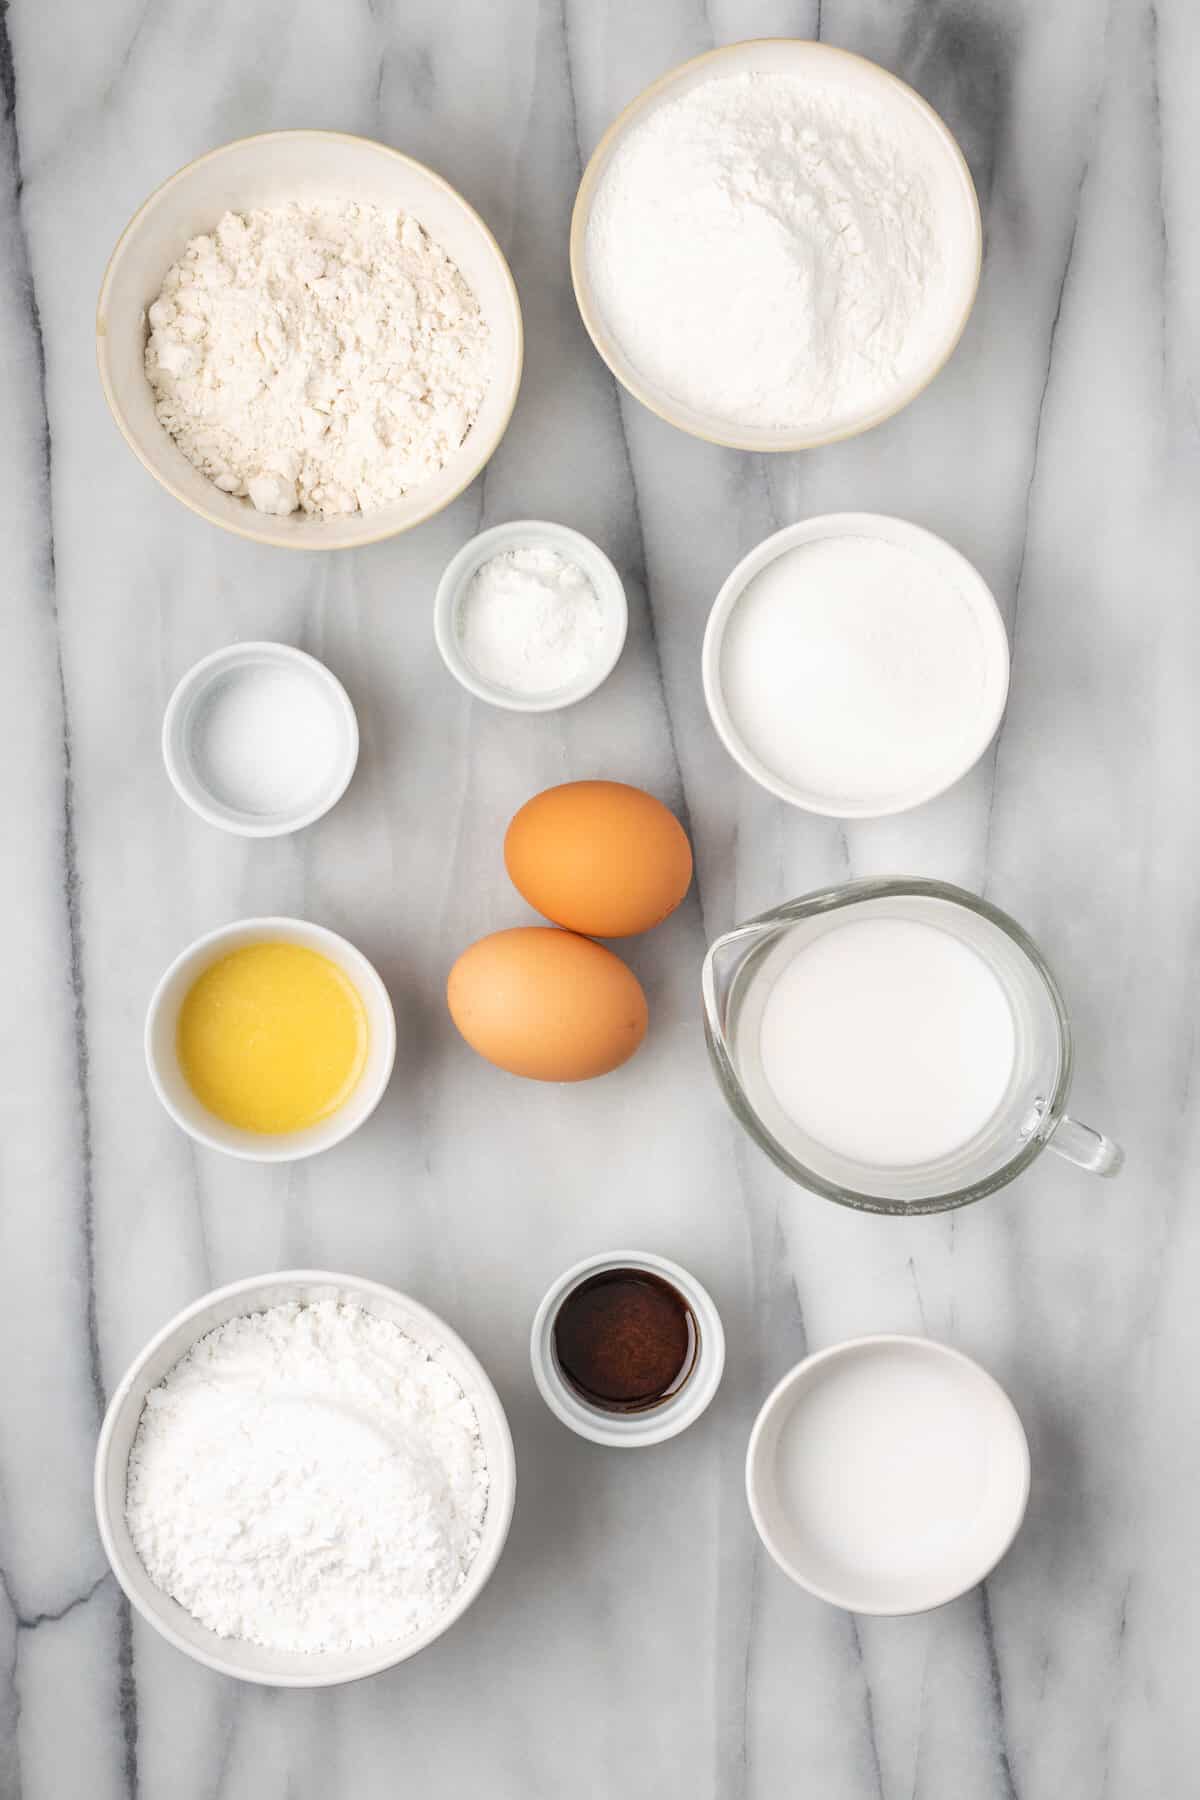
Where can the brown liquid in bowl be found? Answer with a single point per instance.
(625, 1340)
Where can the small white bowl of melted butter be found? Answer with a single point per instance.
(271, 1039)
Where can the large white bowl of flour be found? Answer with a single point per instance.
(777, 245)
(257, 1434)
(269, 172)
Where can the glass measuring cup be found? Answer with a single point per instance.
(741, 968)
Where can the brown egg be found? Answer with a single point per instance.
(599, 857)
(547, 1004)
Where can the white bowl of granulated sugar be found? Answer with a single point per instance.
(304, 1478)
(310, 339)
(855, 665)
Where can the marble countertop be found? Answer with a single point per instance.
(635, 1640)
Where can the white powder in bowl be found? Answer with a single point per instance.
(858, 673)
(308, 1478)
(265, 740)
(765, 250)
(327, 357)
(530, 621)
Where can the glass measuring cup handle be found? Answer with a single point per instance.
(1088, 1149)
(1074, 1142)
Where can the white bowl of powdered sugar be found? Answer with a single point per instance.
(304, 1478)
(310, 339)
(776, 245)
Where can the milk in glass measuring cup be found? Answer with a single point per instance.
(898, 1046)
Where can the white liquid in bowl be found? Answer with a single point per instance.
(888, 1041)
(884, 1465)
(888, 1475)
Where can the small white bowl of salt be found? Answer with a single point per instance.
(530, 616)
(260, 739)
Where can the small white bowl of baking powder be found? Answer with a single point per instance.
(530, 616)
(260, 739)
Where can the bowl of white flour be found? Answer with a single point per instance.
(310, 339)
(777, 245)
(303, 1479)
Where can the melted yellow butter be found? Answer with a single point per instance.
(273, 1037)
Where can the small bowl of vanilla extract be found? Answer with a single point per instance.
(627, 1348)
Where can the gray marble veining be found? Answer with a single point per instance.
(635, 1640)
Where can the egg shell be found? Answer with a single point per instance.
(599, 857)
(547, 1004)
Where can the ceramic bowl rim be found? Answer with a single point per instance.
(266, 534)
(187, 783)
(459, 570)
(799, 1373)
(502, 1481)
(609, 351)
(199, 950)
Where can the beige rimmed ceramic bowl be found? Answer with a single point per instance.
(270, 170)
(954, 198)
(234, 1656)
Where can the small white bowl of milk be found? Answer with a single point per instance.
(888, 1475)
(855, 665)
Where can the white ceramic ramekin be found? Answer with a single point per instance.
(859, 1580)
(184, 710)
(232, 1656)
(573, 547)
(270, 170)
(170, 1084)
(828, 66)
(629, 1431)
(943, 559)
